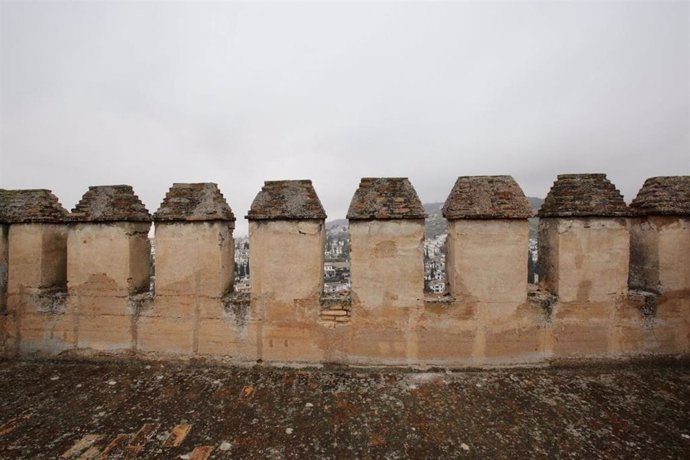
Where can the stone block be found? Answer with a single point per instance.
(517, 343)
(487, 259)
(387, 262)
(587, 258)
(37, 256)
(297, 342)
(446, 346)
(576, 339)
(106, 332)
(223, 337)
(109, 257)
(286, 260)
(46, 332)
(194, 258)
(166, 335)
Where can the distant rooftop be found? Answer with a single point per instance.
(582, 195)
(30, 206)
(110, 203)
(663, 196)
(286, 199)
(194, 202)
(487, 197)
(385, 198)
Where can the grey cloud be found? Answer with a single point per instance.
(237, 93)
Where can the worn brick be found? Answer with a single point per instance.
(110, 203)
(583, 195)
(668, 196)
(31, 206)
(487, 197)
(286, 199)
(385, 198)
(194, 202)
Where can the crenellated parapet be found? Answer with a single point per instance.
(487, 236)
(33, 263)
(287, 234)
(584, 239)
(108, 254)
(194, 269)
(660, 236)
(614, 279)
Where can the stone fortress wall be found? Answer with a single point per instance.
(615, 278)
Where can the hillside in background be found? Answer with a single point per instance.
(436, 224)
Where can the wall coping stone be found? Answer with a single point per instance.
(666, 196)
(31, 206)
(110, 203)
(287, 200)
(384, 198)
(583, 195)
(486, 197)
(197, 202)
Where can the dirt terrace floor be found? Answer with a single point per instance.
(169, 410)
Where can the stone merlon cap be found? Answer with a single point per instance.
(194, 203)
(31, 206)
(286, 199)
(583, 195)
(487, 197)
(385, 198)
(110, 203)
(669, 196)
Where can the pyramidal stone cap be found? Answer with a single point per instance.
(201, 202)
(110, 203)
(583, 195)
(385, 198)
(665, 196)
(286, 199)
(31, 206)
(487, 197)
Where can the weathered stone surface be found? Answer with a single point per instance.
(194, 202)
(487, 197)
(37, 257)
(112, 258)
(583, 195)
(387, 263)
(194, 258)
(385, 198)
(110, 203)
(30, 206)
(665, 196)
(286, 199)
(286, 262)
(584, 260)
(487, 260)
(659, 250)
(624, 411)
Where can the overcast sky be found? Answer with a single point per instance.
(148, 94)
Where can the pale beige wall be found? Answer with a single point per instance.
(286, 259)
(547, 263)
(487, 260)
(674, 253)
(37, 256)
(593, 259)
(112, 257)
(194, 258)
(387, 262)
(644, 255)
